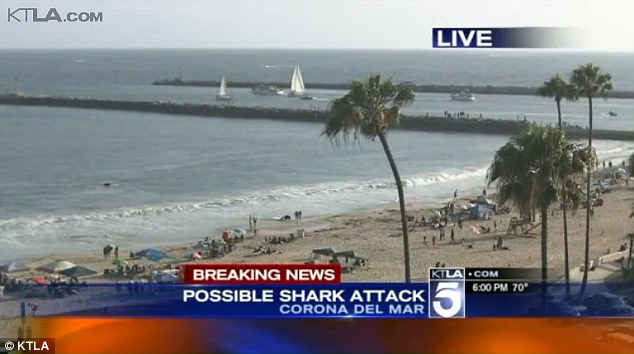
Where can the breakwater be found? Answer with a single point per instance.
(428, 124)
(483, 90)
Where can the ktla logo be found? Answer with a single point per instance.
(446, 292)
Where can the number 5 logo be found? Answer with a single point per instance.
(447, 290)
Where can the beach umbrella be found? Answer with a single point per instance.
(78, 271)
(56, 266)
(40, 280)
(120, 262)
(12, 267)
(156, 255)
(142, 252)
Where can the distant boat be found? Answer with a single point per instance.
(297, 85)
(463, 96)
(266, 90)
(222, 92)
(612, 114)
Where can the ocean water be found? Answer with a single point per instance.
(175, 178)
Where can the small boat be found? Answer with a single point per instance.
(266, 90)
(463, 96)
(612, 114)
(297, 85)
(222, 92)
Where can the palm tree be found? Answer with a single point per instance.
(589, 82)
(557, 88)
(527, 171)
(369, 110)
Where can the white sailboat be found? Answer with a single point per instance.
(297, 85)
(222, 92)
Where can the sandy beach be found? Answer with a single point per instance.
(375, 235)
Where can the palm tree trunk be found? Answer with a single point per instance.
(558, 113)
(629, 257)
(566, 259)
(586, 260)
(544, 221)
(565, 217)
(401, 201)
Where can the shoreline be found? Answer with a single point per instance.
(409, 123)
(375, 235)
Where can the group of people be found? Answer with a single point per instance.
(127, 271)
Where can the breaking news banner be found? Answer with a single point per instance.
(315, 291)
(505, 37)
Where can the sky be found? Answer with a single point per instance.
(603, 25)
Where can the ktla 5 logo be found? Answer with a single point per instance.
(446, 292)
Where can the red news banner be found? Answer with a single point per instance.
(244, 273)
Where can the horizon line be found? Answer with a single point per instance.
(439, 50)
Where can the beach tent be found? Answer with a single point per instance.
(56, 266)
(120, 262)
(326, 251)
(349, 254)
(12, 267)
(165, 276)
(78, 271)
(480, 209)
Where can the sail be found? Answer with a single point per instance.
(297, 82)
(223, 87)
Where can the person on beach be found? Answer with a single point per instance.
(296, 216)
(442, 233)
(250, 221)
(452, 236)
(433, 241)
(116, 252)
(255, 222)
(299, 215)
(484, 192)
(425, 242)
(455, 194)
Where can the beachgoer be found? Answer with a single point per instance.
(433, 241)
(296, 215)
(495, 224)
(116, 252)
(425, 242)
(250, 221)
(442, 233)
(452, 236)
(299, 214)
(484, 191)
(455, 194)
(255, 222)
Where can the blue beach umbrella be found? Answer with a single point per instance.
(155, 255)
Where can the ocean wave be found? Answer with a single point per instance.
(324, 190)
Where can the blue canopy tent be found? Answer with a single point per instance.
(479, 211)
